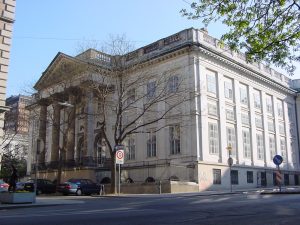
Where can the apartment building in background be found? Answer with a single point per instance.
(228, 102)
(16, 126)
(7, 15)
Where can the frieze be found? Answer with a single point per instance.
(172, 39)
(151, 48)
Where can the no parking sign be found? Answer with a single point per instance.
(119, 154)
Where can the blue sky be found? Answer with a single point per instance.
(45, 27)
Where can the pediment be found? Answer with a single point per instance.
(62, 68)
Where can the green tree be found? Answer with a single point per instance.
(266, 30)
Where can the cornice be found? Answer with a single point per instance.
(243, 68)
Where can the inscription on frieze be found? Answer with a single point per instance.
(172, 39)
(151, 47)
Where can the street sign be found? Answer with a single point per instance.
(277, 160)
(120, 156)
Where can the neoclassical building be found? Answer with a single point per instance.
(249, 107)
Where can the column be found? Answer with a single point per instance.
(55, 132)
(42, 132)
(71, 129)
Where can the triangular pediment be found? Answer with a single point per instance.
(62, 68)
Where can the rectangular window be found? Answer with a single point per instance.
(281, 128)
(216, 176)
(151, 87)
(174, 133)
(213, 138)
(151, 144)
(212, 108)
(280, 108)
(234, 177)
(244, 94)
(211, 83)
(260, 145)
(131, 96)
(290, 113)
(286, 179)
(250, 177)
(246, 143)
(283, 148)
(258, 121)
(271, 126)
(230, 114)
(272, 147)
(231, 139)
(269, 104)
(257, 99)
(228, 90)
(245, 118)
(173, 84)
(130, 149)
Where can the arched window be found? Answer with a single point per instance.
(150, 180)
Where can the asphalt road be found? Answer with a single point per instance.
(188, 209)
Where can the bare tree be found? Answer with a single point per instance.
(134, 97)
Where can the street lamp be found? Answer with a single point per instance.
(230, 162)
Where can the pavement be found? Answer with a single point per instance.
(54, 200)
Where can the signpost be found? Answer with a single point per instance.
(277, 161)
(230, 162)
(119, 149)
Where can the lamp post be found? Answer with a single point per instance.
(230, 162)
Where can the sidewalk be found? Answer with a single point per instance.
(56, 200)
(42, 202)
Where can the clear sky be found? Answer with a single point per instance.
(45, 27)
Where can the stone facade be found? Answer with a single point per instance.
(250, 107)
(7, 14)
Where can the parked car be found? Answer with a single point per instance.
(43, 186)
(3, 186)
(79, 187)
(20, 186)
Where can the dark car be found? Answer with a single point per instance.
(43, 186)
(79, 187)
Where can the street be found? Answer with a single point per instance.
(239, 209)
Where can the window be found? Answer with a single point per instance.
(228, 91)
(272, 146)
(231, 140)
(245, 118)
(281, 128)
(151, 144)
(151, 87)
(246, 143)
(280, 108)
(250, 177)
(244, 94)
(290, 113)
(258, 121)
(283, 148)
(230, 114)
(130, 149)
(174, 132)
(213, 138)
(216, 176)
(173, 84)
(131, 96)
(211, 83)
(212, 108)
(271, 126)
(257, 99)
(269, 104)
(234, 177)
(286, 179)
(260, 145)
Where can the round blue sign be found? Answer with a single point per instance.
(277, 160)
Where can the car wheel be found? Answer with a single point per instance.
(78, 192)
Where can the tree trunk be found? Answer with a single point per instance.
(113, 175)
